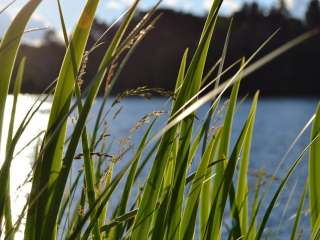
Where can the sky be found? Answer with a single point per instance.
(47, 14)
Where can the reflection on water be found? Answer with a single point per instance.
(277, 124)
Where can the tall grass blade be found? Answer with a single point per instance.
(8, 51)
(9, 155)
(220, 199)
(49, 165)
(88, 161)
(93, 91)
(243, 188)
(191, 85)
(190, 211)
(314, 168)
(223, 153)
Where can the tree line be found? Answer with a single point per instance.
(156, 61)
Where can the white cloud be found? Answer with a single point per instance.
(113, 5)
(170, 3)
(187, 7)
(37, 21)
(126, 2)
(230, 6)
(207, 4)
(290, 4)
(227, 5)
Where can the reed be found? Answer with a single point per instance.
(173, 203)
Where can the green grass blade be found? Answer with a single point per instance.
(70, 153)
(223, 153)
(242, 188)
(315, 235)
(314, 168)
(190, 86)
(16, 91)
(216, 103)
(8, 51)
(181, 74)
(220, 199)
(206, 193)
(88, 161)
(143, 220)
(159, 216)
(190, 212)
(48, 169)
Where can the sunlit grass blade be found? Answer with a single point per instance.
(190, 211)
(16, 92)
(243, 188)
(78, 129)
(237, 208)
(220, 198)
(190, 86)
(172, 202)
(223, 152)
(49, 166)
(315, 234)
(88, 160)
(182, 72)
(217, 81)
(314, 168)
(143, 220)
(159, 216)
(9, 154)
(8, 51)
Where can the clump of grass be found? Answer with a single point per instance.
(172, 203)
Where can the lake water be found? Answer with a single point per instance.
(278, 122)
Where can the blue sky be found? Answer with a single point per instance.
(108, 10)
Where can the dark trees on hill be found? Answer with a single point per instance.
(156, 61)
(313, 14)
